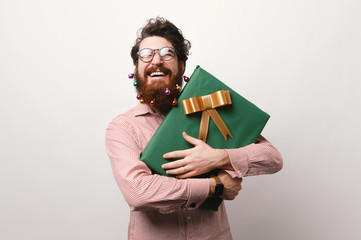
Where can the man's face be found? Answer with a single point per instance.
(146, 69)
(168, 74)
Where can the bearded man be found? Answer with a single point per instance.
(165, 207)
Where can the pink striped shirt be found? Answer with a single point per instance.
(168, 208)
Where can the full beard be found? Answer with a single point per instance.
(163, 102)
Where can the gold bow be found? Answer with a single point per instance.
(207, 105)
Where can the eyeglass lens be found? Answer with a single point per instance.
(147, 54)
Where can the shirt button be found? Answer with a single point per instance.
(193, 205)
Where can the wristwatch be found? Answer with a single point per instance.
(218, 191)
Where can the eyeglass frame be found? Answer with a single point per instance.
(153, 54)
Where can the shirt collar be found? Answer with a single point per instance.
(143, 109)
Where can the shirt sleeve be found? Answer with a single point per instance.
(255, 159)
(142, 189)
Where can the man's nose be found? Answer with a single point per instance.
(157, 59)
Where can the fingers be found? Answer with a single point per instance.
(177, 171)
(182, 172)
(176, 167)
(232, 185)
(180, 153)
(223, 175)
(174, 164)
(176, 154)
(230, 195)
(191, 140)
(187, 175)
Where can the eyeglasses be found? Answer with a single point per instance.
(147, 54)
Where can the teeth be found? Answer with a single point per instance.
(157, 74)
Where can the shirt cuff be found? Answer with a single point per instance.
(239, 160)
(199, 191)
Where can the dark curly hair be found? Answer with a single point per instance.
(163, 28)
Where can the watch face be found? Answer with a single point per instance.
(218, 191)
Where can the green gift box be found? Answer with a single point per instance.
(244, 120)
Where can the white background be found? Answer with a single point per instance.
(63, 73)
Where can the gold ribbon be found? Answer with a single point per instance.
(207, 104)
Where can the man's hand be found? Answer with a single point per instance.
(198, 160)
(232, 186)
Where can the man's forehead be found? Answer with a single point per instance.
(155, 42)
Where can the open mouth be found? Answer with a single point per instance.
(157, 74)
